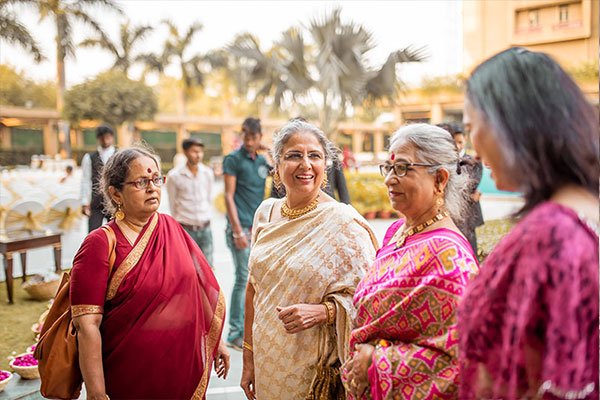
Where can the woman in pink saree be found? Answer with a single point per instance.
(529, 322)
(404, 344)
(150, 327)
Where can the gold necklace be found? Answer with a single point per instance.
(293, 213)
(131, 226)
(419, 228)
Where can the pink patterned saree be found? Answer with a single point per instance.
(406, 305)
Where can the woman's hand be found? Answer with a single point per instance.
(358, 367)
(222, 361)
(248, 383)
(299, 317)
(241, 242)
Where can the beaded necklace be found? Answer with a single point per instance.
(293, 213)
(419, 228)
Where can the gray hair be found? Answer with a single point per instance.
(116, 169)
(434, 145)
(299, 126)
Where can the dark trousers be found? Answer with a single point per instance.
(96, 219)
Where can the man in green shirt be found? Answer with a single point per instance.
(245, 172)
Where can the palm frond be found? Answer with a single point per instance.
(15, 32)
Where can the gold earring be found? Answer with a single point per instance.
(324, 183)
(277, 180)
(440, 201)
(119, 214)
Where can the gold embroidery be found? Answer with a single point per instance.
(83, 309)
(131, 260)
(214, 335)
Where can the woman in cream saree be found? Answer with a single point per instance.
(308, 254)
(318, 257)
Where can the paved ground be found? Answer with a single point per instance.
(40, 261)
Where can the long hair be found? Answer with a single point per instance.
(546, 130)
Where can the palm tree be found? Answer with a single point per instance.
(65, 13)
(14, 32)
(333, 69)
(123, 50)
(175, 49)
(345, 78)
(279, 72)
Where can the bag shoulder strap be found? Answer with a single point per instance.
(112, 243)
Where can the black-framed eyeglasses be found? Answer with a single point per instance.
(143, 183)
(401, 168)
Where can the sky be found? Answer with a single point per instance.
(394, 25)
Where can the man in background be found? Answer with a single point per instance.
(245, 172)
(91, 169)
(474, 216)
(190, 189)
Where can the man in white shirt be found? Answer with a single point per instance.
(190, 189)
(91, 170)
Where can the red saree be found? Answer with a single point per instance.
(163, 313)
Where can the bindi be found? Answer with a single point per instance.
(393, 156)
(149, 170)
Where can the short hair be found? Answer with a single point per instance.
(434, 145)
(116, 169)
(104, 129)
(295, 126)
(546, 130)
(189, 142)
(454, 128)
(251, 126)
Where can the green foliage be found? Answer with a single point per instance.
(367, 192)
(439, 84)
(17, 90)
(110, 97)
(586, 72)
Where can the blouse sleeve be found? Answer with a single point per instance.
(89, 277)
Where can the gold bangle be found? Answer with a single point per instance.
(330, 312)
(247, 346)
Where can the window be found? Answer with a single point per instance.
(534, 18)
(563, 13)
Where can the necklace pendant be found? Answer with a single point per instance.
(400, 241)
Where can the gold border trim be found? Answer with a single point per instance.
(370, 231)
(214, 335)
(131, 260)
(84, 309)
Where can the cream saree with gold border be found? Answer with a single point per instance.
(321, 255)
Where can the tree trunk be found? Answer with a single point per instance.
(64, 137)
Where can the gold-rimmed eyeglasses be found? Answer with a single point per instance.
(401, 168)
(143, 183)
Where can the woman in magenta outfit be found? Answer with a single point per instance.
(528, 325)
(404, 343)
(150, 328)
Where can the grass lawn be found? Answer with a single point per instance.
(16, 321)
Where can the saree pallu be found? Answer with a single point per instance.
(407, 305)
(319, 256)
(529, 322)
(163, 315)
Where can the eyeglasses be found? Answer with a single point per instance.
(143, 183)
(400, 169)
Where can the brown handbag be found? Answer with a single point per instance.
(56, 351)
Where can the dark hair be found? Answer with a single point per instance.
(69, 168)
(104, 130)
(116, 169)
(454, 128)
(546, 130)
(252, 126)
(189, 142)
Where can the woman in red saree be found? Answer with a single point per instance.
(151, 327)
